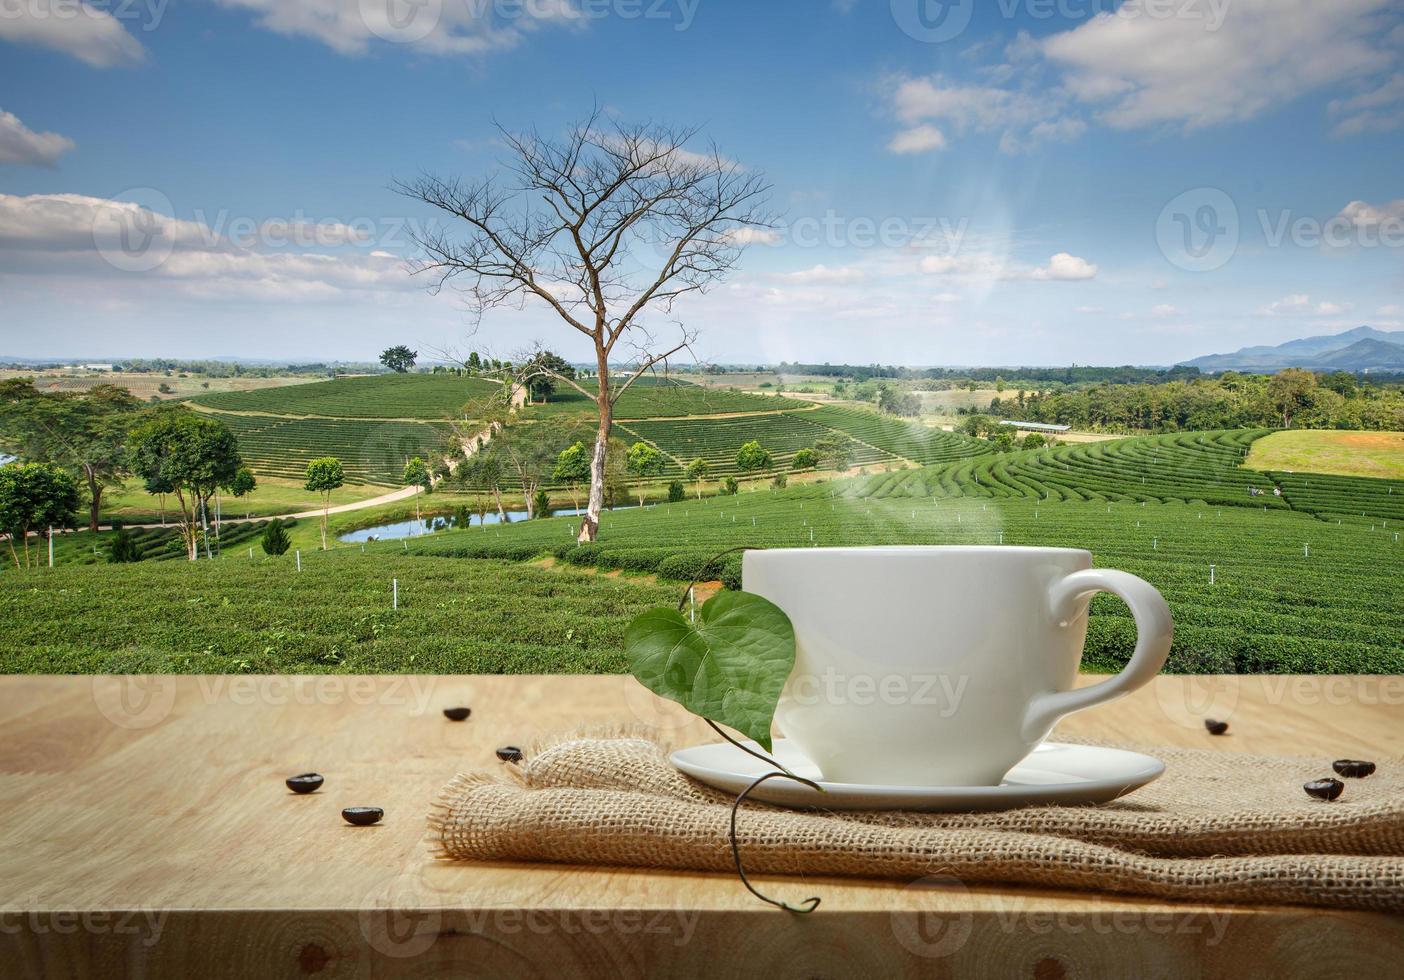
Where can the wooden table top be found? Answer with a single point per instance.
(145, 831)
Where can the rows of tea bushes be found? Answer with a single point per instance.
(1290, 593)
(335, 616)
(918, 443)
(370, 451)
(156, 543)
(650, 398)
(1352, 497)
(384, 396)
(1181, 467)
(717, 440)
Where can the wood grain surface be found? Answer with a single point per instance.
(145, 831)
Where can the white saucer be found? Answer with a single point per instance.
(1054, 773)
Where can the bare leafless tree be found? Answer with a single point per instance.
(604, 225)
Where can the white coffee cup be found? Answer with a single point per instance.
(942, 666)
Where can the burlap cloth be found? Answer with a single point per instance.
(1216, 827)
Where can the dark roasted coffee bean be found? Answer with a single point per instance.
(457, 714)
(1353, 768)
(1324, 789)
(308, 782)
(362, 816)
(1215, 727)
(509, 753)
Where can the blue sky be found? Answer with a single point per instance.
(993, 182)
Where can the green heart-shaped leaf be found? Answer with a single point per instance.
(728, 667)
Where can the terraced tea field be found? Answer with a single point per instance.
(371, 451)
(650, 398)
(384, 396)
(1291, 590)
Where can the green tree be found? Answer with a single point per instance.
(697, 471)
(1290, 391)
(1003, 440)
(752, 456)
(417, 474)
(1034, 440)
(275, 540)
(836, 451)
(541, 503)
(780, 482)
(324, 476)
(399, 358)
(730, 487)
(676, 491)
(806, 459)
(84, 433)
(34, 497)
(644, 461)
(531, 452)
(572, 470)
(898, 401)
(192, 454)
(541, 372)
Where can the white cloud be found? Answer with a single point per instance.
(1375, 110)
(20, 144)
(824, 274)
(1066, 268)
(71, 234)
(990, 266)
(1024, 119)
(1088, 310)
(1393, 309)
(752, 236)
(1368, 217)
(1300, 304)
(918, 139)
(1164, 310)
(92, 36)
(448, 28)
(1143, 68)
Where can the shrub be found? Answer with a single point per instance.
(730, 487)
(541, 504)
(780, 481)
(805, 459)
(676, 492)
(275, 540)
(124, 548)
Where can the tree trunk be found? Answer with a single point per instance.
(205, 525)
(501, 511)
(95, 493)
(590, 523)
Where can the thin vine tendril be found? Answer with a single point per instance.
(811, 903)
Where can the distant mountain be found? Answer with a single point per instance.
(1361, 349)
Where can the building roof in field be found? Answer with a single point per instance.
(1035, 426)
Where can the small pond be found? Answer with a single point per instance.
(417, 528)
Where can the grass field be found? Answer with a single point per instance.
(1372, 454)
(147, 386)
(382, 396)
(273, 496)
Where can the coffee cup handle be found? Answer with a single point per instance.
(1154, 631)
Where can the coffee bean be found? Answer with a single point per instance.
(1353, 768)
(457, 714)
(509, 753)
(1215, 727)
(362, 816)
(1324, 789)
(308, 782)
